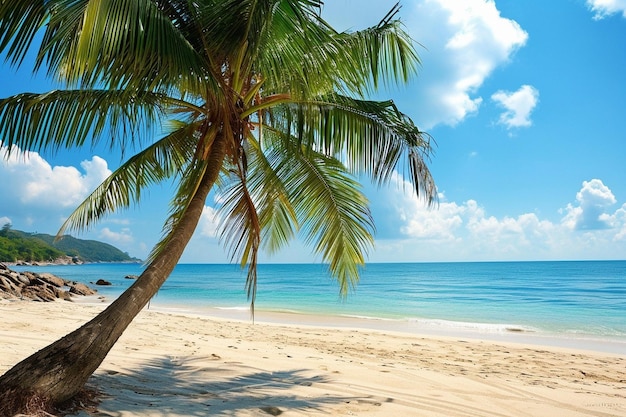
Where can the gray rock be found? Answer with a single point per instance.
(80, 289)
(52, 279)
(38, 287)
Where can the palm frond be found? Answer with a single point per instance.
(331, 209)
(277, 216)
(69, 118)
(369, 136)
(115, 43)
(19, 23)
(133, 43)
(240, 226)
(302, 54)
(382, 52)
(297, 52)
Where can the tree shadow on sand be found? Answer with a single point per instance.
(201, 386)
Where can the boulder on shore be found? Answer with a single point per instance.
(38, 287)
(80, 289)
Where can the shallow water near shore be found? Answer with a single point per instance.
(584, 301)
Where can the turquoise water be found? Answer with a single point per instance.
(586, 298)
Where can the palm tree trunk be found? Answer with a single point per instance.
(59, 371)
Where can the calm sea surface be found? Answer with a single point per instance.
(585, 299)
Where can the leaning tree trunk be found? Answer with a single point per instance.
(59, 371)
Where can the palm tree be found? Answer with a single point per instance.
(260, 101)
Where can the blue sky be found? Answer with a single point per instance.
(526, 101)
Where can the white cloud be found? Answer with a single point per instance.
(96, 171)
(4, 220)
(464, 231)
(439, 224)
(605, 8)
(595, 193)
(464, 42)
(124, 236)
(590, 214)
(209, 221)
(618, 221)
(39, 190)
(35, 183)
(518, 105)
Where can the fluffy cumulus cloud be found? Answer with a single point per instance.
(439, 225)
(594, 199)
(618, 221)
(35, 182)
(39, 189)
(604, 8)
(589, 229)
(463, 41)
(518, 106)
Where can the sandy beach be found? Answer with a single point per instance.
(171, 364)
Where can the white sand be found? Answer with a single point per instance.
(178, 365)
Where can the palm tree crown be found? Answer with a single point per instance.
(283, 92)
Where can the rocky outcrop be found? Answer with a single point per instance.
(38, 287)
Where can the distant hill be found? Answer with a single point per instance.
(16, 246)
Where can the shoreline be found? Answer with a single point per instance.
(174, 364)
(471, 331)
(502, 301)
(424, 328)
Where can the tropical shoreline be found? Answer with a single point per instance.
(577, 305)
(507, 333)
(428, 328)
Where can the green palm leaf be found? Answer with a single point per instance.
(240, 226)
(19, 23)
(119, 43)
(277, 216)
(384, 51)
(70, 118)
(332, 211)
(322, 61)
(369, 136)
(129, 43)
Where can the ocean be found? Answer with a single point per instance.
(580, 301)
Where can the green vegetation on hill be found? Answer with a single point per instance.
(16, 245)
